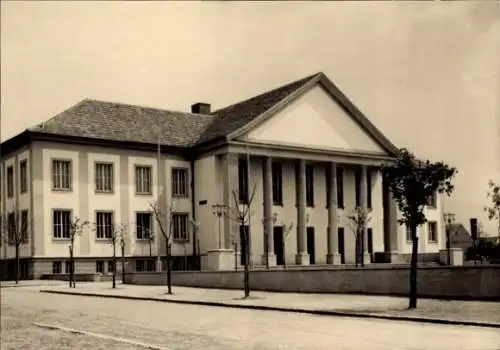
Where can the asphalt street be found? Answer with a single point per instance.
(177, 326)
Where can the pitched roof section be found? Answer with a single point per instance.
(234, 117)
(122, 122)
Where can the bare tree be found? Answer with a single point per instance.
(76, 227)
(118, 235)
(240, 213)
(358, 222)
(286, 233)
(165, 223)
(15, 232)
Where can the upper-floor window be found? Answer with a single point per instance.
(180, 227)
(104, 177)
(243, 181)
(144, 225)
(432, 227)
(10, 182)
(310, 185)
(143, 179)
(61, 174)
(277, 176)
(432, 200)
(61, 224)
(23, 176)
(104, 225)
(369, 188)
(179, 182)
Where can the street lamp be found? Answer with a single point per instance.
(448, 219)
(122, 245)
(218, 210)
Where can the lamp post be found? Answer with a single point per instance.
(448, 218)
(218, 210)
(122, 246)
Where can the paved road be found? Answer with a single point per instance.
(176, 326)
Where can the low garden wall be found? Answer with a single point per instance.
(480, 282)
(79, 277)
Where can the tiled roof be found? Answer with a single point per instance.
(231, 118)
(122, 122)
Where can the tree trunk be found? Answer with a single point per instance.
(71, 282)
(114, 264)
(17, 263)
(413, 269)
(284, 255)
(150, 249)
(169, 269)
(123, 264)
(246, 268)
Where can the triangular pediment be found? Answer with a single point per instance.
(315, 120)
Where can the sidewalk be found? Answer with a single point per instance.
(472, 313)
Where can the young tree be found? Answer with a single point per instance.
(358, 222)
(150, 236)
(76, 227)
(118, 235)
(286, 233)
(164, 219)
(412, 183)
(240, 213)
(493, 209)
(15, 232)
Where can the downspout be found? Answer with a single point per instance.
(193, 203)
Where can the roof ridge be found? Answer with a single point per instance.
(145, 107)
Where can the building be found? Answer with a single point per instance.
(311, 155)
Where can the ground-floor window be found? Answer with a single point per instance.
(139, 265)
(68, 266)
(111, 266)
(99, 266)
(151, 265)
(56, 267)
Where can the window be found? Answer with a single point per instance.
(277, 176)
(68, 266)
(99, 266)
(309, 185)
(104, 177)
(180, 226)
(24, 225)
(23, 176)
(150, 265)
(56, 267)
(143, 180)
(12, 228)
(340, 188)
(369, 189)
(111, 266)
(10, 182)
(357, 185)
(61, 224)
(144, 225)
(139, 265)
(243, 181)
(432, 200)
(179, 182)
(61, 175)
(432, 231)
(408, 233)
(104, 225)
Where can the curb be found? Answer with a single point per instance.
(284, 309)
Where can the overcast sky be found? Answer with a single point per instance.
(426, 73)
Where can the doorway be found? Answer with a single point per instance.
(311, 246)
(278, 244)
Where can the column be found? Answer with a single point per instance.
(268, 257)
(391, 226)
(230, 183)
(302, 257)
(363, 195)
(333, 256)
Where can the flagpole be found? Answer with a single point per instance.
(158, 165)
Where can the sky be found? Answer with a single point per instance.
(427, 74)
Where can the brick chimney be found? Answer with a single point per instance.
(200, 108)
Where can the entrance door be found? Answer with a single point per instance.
(369, 233)
(243, 245)
(311, 246)
(278, 244)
